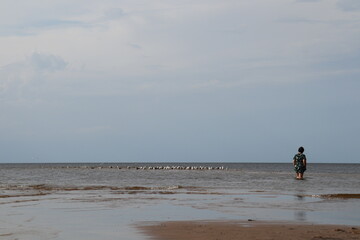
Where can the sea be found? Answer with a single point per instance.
(106, 200)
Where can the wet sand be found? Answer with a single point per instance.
(248, 231)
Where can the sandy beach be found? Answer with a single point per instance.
(248, 231)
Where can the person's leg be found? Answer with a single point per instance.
(301, 175)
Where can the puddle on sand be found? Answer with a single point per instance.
(54, 219)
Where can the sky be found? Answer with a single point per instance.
(179, 81)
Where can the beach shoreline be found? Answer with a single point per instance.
(246, 230)
(91, 202)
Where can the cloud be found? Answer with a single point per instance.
(32, 28)
(349, 5)
(46, 62)
(134, 45)
(22, 18)
(16, 77)
(35, 27)
(302, 20)
(67, 15)
(114, 13)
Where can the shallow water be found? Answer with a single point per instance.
(244, 177)
(103, 201)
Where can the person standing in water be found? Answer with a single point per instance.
(299, 162)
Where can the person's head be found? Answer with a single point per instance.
(301, 150)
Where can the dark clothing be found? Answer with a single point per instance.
(299, 163)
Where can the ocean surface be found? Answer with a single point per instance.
(90, 200)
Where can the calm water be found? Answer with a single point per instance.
(97, 201)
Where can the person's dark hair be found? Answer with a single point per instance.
(301, 149)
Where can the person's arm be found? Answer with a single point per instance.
(294, 162)
(304, 162)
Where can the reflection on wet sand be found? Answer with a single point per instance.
(300, 216)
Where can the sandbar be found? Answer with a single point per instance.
(247, 230)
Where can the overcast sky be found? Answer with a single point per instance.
(184, 80)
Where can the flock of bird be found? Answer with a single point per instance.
(155, 167)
